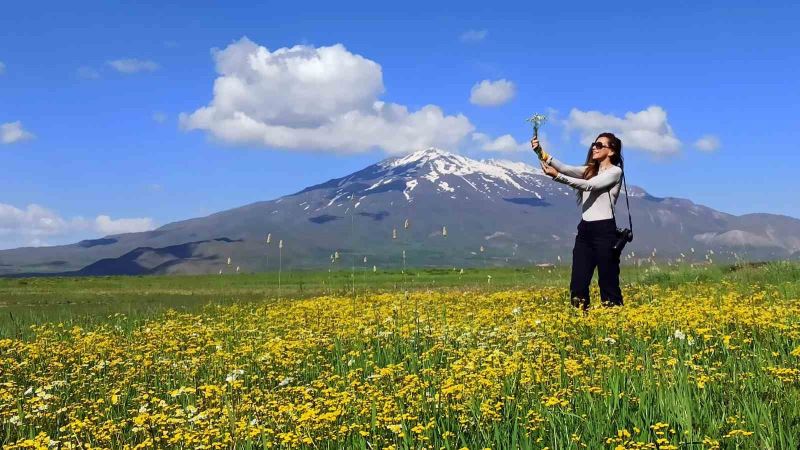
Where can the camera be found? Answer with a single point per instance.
(624, 235)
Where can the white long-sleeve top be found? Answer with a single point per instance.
(595, 204)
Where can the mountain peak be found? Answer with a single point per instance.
(420, 157)
(447, 162)
(444, 170)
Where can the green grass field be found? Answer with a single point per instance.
(703, 357)
(87, 300)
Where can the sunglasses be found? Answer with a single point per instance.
(599, 145)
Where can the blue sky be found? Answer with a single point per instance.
(91, 95)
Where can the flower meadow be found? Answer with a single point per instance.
(708, 365)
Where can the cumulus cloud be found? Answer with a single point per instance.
(87, 73)
(36, 225)
(323, 98)
(106, 225)
(646, 130)
(492, 93)
(34, 221)
(707, 143)
(133, 65)
(471, 36)
(12, 132)
(506, 143)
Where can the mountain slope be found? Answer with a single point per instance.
(510, 209)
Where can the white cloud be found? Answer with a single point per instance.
(133, 65)
(506, 143)
(34, 220)
(12, 132)
(323, 98)
(159, 117)
(646, 130)
(2, 68)
(492, 93)
(87, 73)
(473, 35)
(36, 225)
(707, 143)
(106, 225)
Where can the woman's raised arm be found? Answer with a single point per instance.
(604, 180)
(573, 171)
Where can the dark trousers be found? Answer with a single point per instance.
(593, 249)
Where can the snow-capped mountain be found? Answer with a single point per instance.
(442, 209)
(489, 177)
(447, 174)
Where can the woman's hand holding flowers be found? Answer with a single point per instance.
(548, 169)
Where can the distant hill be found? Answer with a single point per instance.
(511, 210)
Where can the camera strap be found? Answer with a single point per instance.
(627, 203)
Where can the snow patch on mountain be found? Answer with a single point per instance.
(446, 187)
(410, 185)
(516, 167)
(496, 234)
(380, 182)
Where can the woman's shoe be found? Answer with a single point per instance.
(578, 302)
(609, 304)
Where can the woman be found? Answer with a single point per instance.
(598, 184)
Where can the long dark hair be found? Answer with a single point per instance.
(592, 166)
